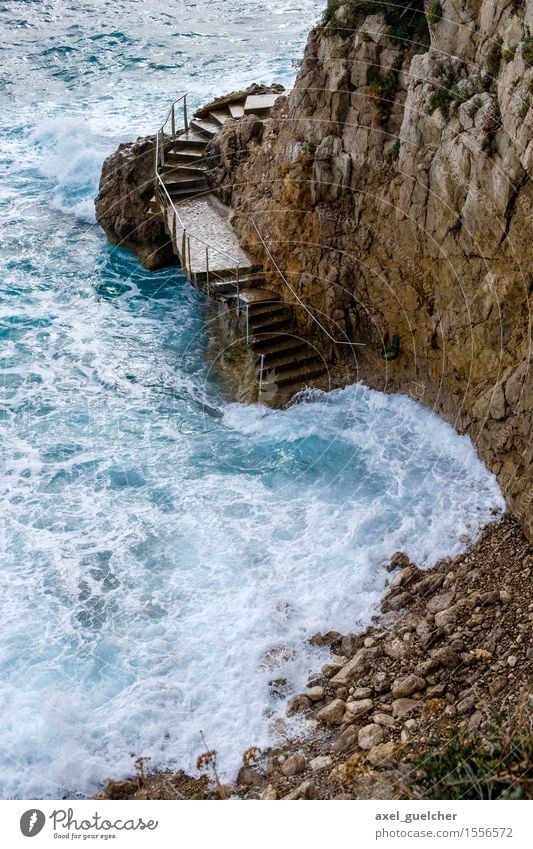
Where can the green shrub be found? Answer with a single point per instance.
(393, 152)
(498, 767)
(523, 109)
(527, 50)
(494, 57)
(509, 53)
(382, 91)
(434, 12)
(406, 19)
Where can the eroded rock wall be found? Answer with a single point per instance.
(393, 189)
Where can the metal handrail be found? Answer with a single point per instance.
(306, 308)
(186, 234)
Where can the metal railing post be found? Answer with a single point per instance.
(183, 252)
(173, 120)
(185, 119)
(189, 251)
(247, 324)
(261, 374)
(161, 148)
(207, 265)
(238, 290)
(174, 230)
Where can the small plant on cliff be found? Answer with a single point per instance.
(523, 109)
(393, 152)
(494, 57)
(434, 12)
(491, 125)
(499, 766)
(509, 53)
(527, 50)
(207, 762)
(382, 90)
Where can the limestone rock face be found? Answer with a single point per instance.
(122, 204)
(393, 189)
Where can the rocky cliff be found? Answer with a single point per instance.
(393, 189)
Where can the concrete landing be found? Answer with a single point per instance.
(208, 219)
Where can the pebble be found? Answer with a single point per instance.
(305, 790)
(384, 719)
(332, 713)
(512, 661)
(440, 602)
(359, 708)
(407, 685)
(294, 765)
(382, 754)
(401, 707)
(360, 692)
(315, 693)
(320, 762)
(370, 735)
(345, 741)
(396, 650)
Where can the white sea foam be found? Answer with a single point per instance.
(71, 158)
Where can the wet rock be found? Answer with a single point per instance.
(298, 704)
(315, 694)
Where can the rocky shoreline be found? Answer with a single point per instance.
(445, 664)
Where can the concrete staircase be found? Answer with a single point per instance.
(211, 256)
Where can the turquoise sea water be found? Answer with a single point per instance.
(165, 553)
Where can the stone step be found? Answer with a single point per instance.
(299, 375)
(182, 157)
(259, 103)
(187, 170)
(258, 296)
(179, 193)
(229, 285)
(236, 109)
(190, 139)
(287, 362)
(220, 116)
(268, 308)
(272, 343)
(273, 325)
(264, 320)
(177, 186)
(278, 346)
(207, 128)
